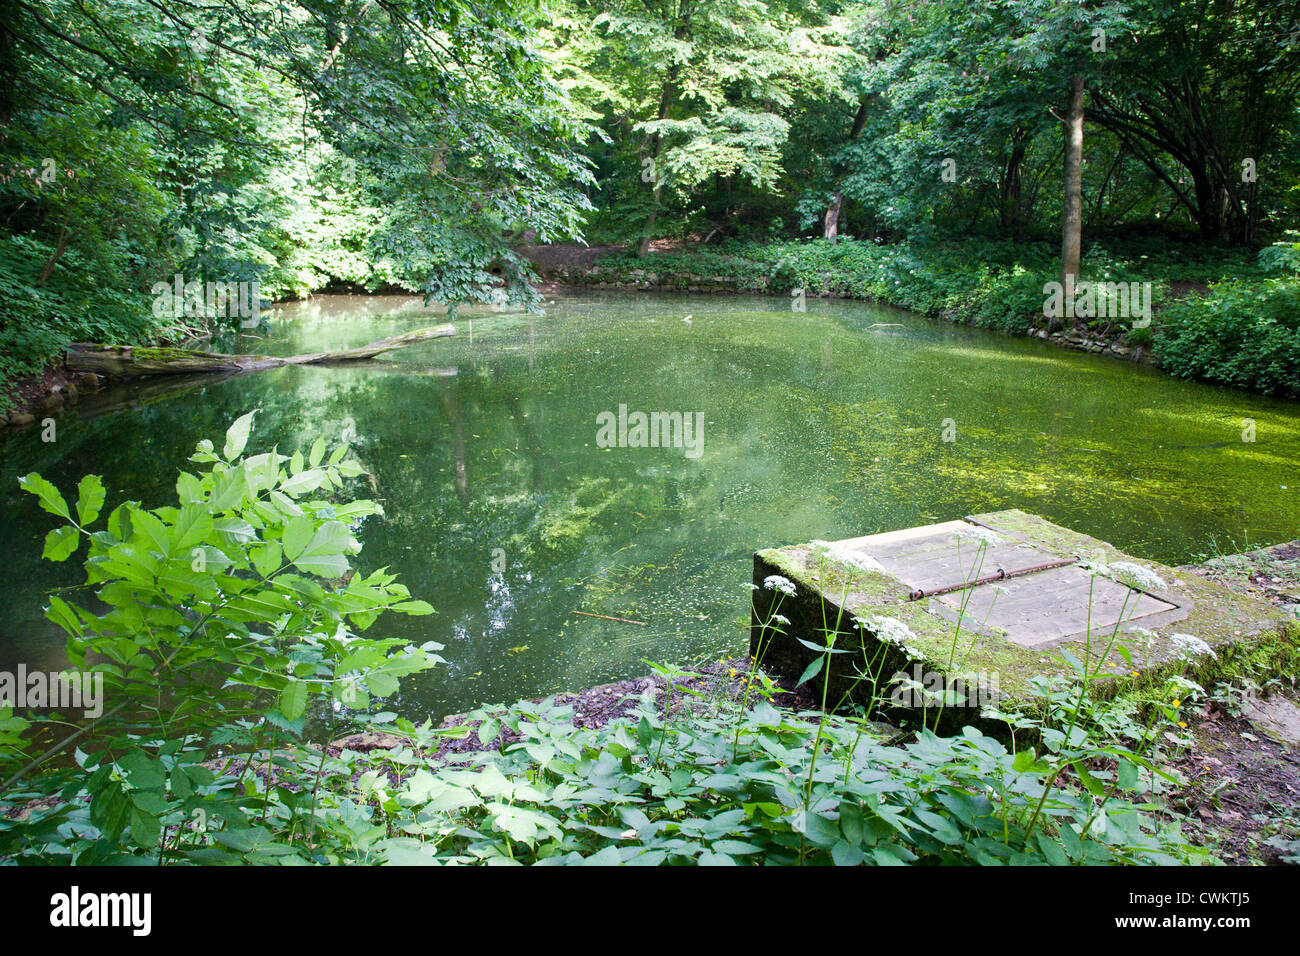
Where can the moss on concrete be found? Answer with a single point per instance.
(830, 597)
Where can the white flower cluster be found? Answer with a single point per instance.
(856, 560)
(1136, 576)
(892, 631)
(1193, 646)
(774, 582)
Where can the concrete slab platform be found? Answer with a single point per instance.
(976, 608)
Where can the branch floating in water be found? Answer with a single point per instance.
(128, 360)
(606, 617)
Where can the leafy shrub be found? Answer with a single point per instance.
(1282, 257)
(38, 318)
(1245, 334)
(226, 616)
(762, 787)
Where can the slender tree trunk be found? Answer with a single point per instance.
(831, 224)
(53, 260)
(1072, 216)
(1010, 204)
(665, 101)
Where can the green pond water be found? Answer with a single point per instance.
(506, 514)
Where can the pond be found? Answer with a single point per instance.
(511, 511)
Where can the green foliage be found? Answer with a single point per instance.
(650, 791)
(1245, 334)
(231, 620)
(991, 284)
(690, 97)
(73, 304)
(400, 145)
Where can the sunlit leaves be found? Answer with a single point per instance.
(50, 498)
(241, 582)
(237, 436)
(60, 543)
(90, 498)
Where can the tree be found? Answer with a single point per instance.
(1205, 90)
(693, 91)
(451, 120)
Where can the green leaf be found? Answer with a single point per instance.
(144, 772)
(145, 827)
(382, 684)
(267, 558)
(188, 488)
(297, 535)
(323, 565)
(119, 521)
(62, 614)
(303, 482)
(1126, 775)
(1091, 783)
(416, 608)
(1052, 850)
(324, 555)
(61, 542)
(193, 526)
(90, 498)
(293, 699)
(317, 452)
(237, 436)
(181, 784)
(811, 671)
(49, 496)
(1026, 762)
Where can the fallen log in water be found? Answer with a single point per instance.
(128, 360)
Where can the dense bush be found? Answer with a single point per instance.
(231, 621)
(760, 787)
(39, 317)
(1245, 334)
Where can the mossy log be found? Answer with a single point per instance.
(128, 360)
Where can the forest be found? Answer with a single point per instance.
(371, 145)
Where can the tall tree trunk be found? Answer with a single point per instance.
(1072, 216)
(1209, 202)
(1010, 203)
(665, 101)
(831, 224)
